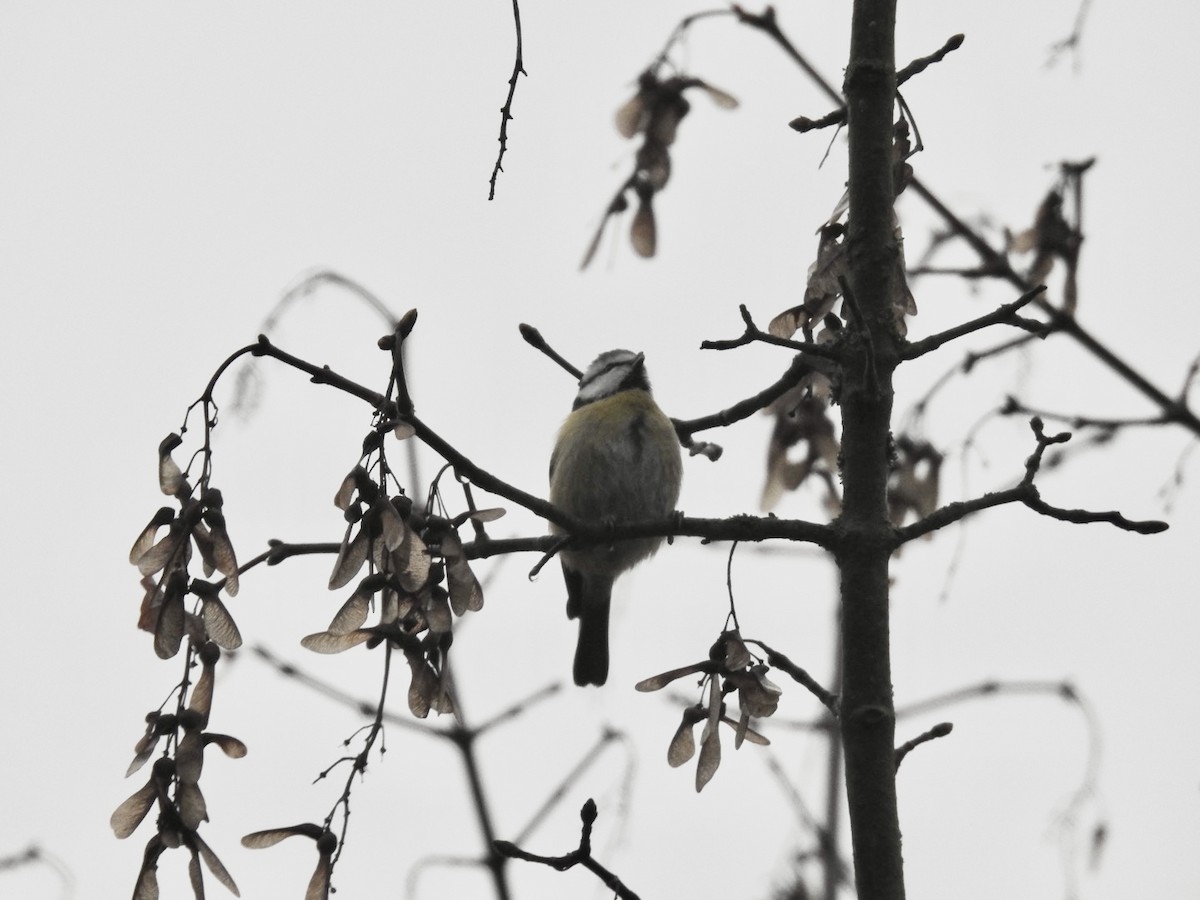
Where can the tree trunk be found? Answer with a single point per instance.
(864, 542)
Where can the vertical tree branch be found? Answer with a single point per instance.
(863, 549)
(832, 868)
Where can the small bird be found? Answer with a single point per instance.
(616, 460)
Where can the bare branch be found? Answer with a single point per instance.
(580, 857)
(916, 67)
(937, 731)
(534, 338)
(754, 334)
(1071, 41)
(1027, 493)
(781, 662)
(506, 110)
(1013, 406)
(1006, 314)
(743, 409)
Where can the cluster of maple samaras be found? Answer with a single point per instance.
(164, 561)
(730, 668)
(181, 810)
(654, 112)
(174, 783)
(420, 580)
(802, 414)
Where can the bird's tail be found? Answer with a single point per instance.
(591, 653)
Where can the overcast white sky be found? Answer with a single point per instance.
(167, 170)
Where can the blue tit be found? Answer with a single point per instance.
(616, 460)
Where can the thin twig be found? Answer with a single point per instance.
(506, 110)
(743, 409)
(1005, 314)
(1026, 493)
(754, 334)
(916, 67)
(781, 662)
(579, 857)
(937, 731)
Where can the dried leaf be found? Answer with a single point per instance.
(145, 540)
(171, 480)
(710, 757)
(219, 623)
(352, 614)
(196, 877)
(168, 630)
(487, 515)
(757, 694)
(192, 808)
(737, 656)
(411, 563)
(658, 682)
(223, 557)
(348, 488)
(189, 757)
(710, 738)
(824, 287)
(788, 322)
(272, 836)
(422, 687)
(143, 750)
(156, 558)
(914, 484)
(214, 865)
(351, 556)
(643, 234)
(740, 728)
(842, 207)
(466, 594)
(324, 642)
(631, 118)
(230, 746)
(146, 887)
(750, 734)
(394, 529)
(683, 743)
(128, 816)
(436, 608)
(718, 96)
(318, 885)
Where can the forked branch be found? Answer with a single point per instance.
(1026, 492)
(582, 856)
